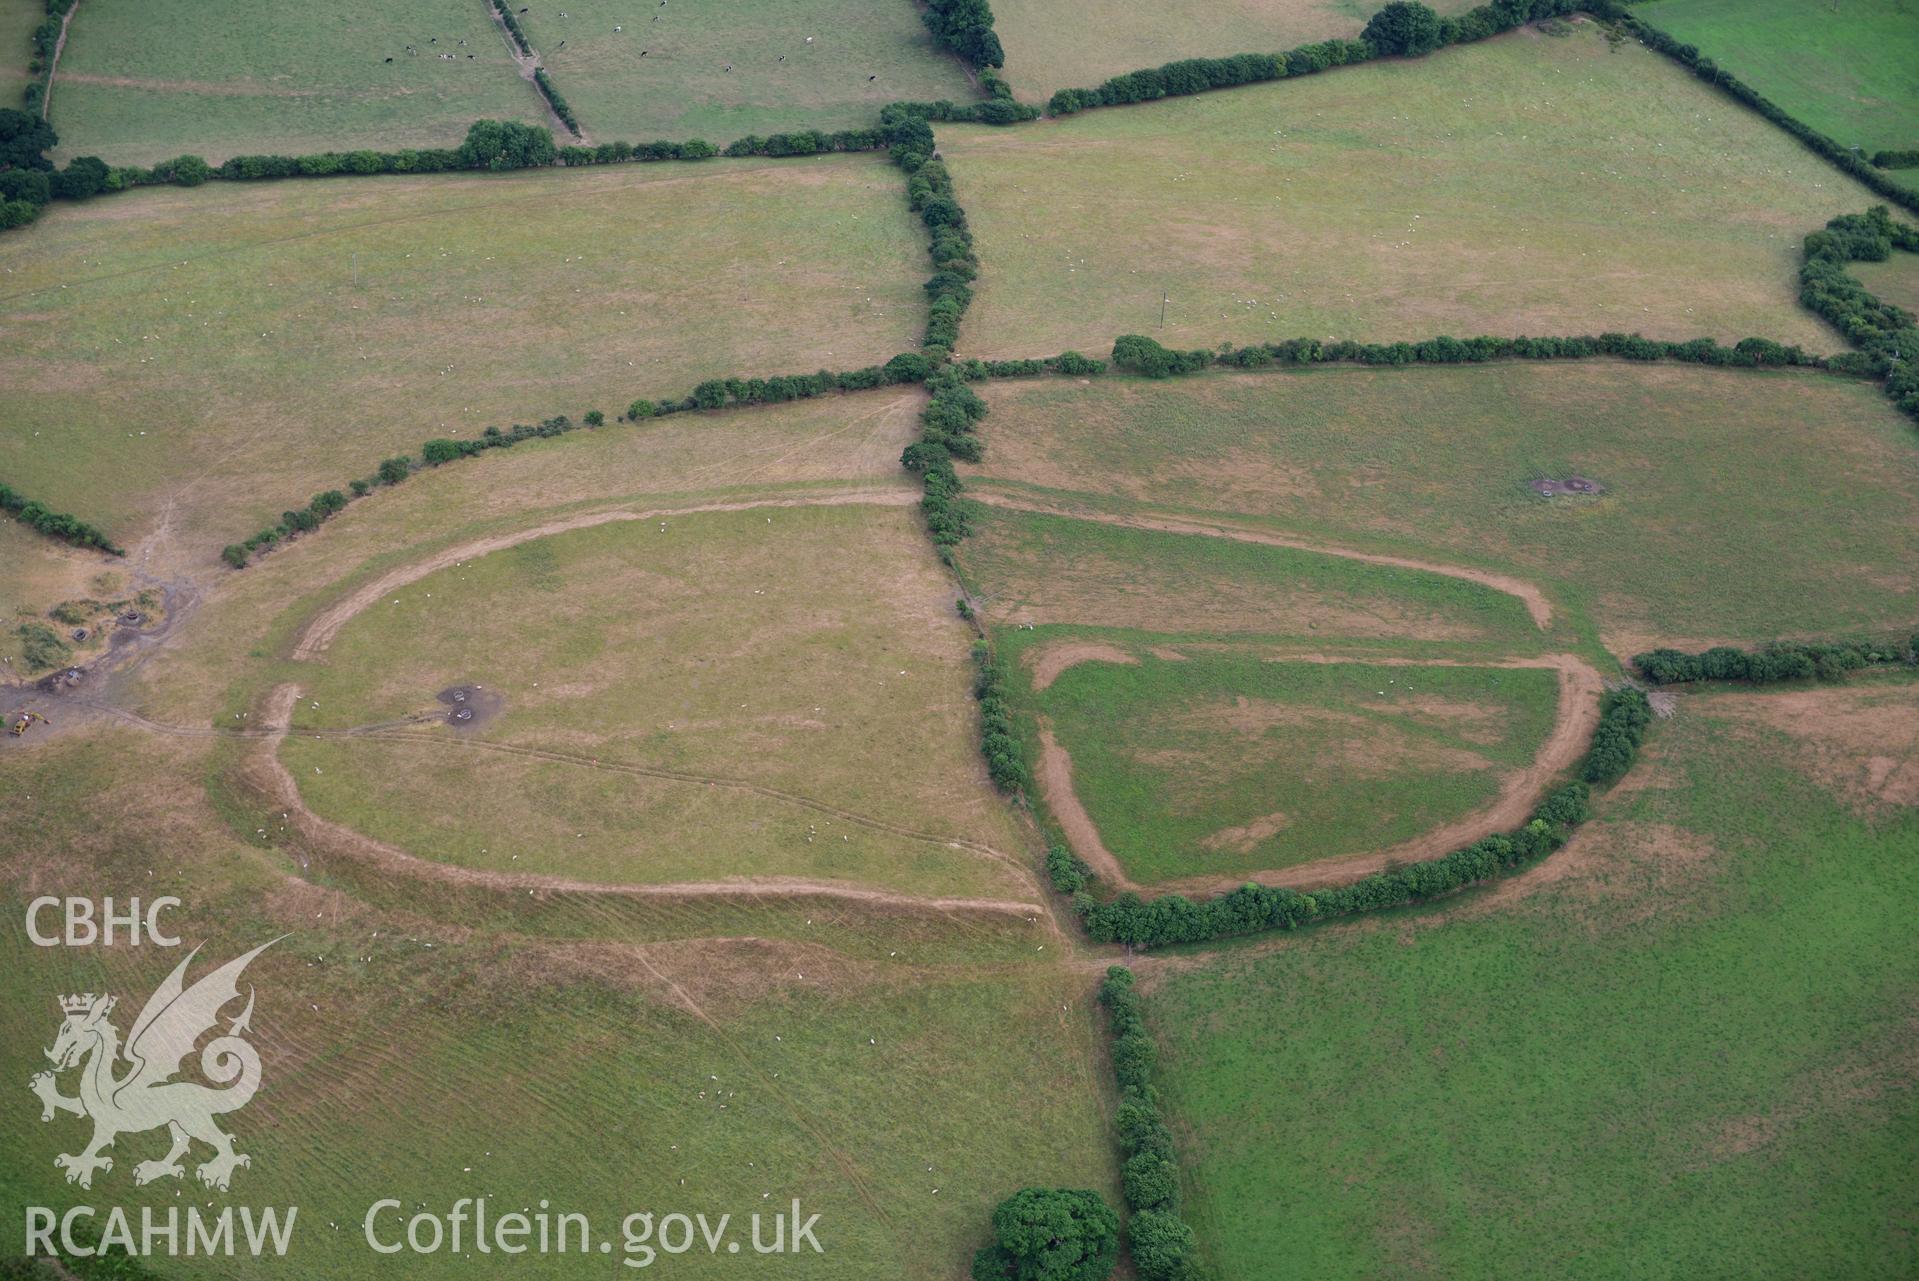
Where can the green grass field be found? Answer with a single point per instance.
(1845, 69)
(145, 80)
(1026, 568)
(1708, 994)
(814, 651)
(1217, 764)
(1895, 280)
(18, 18)
(198, 361)
(411, 1057)
(1524, 185)
(1700, 533)
(1046, 50)
(814, 64)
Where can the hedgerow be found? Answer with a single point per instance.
(1066, 870)
(1401, 29)
(556, 100)
(1160, 1242)
(1250, 909)
(1706, 69)
(1624, 714)
(946, 433)
(504, 12)
(1887, 339)
(1135, 353)
(1004, 759)
(46, 39)
(43, 519)
(1896, 159)
(929, 193)
(490, 145)
(717, 393)
(1779, 661)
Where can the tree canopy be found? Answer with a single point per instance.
(1050, 1234)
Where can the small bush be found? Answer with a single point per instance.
(41, 649)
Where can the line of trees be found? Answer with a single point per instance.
(1886, 336)
(46, 40)
(717, 393)
(1004, 759)
(1160, 1242)
(556, 100)
(946, 433)
(521, 150)
(43, 519)
(512, 25)
(321, 508)
(1173, 918)
(28, 180)
(1779, 661)
(929, 192)
(1624, 714)
(1404, 29)
(1139, 354)
(1851, 161)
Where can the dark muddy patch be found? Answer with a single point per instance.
(1547, 487)
(61, 681)
(470, 706)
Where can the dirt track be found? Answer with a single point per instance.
(1537, 606)
(1519, 792)
(319, 633)
(53, 63)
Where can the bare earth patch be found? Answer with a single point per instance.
(1861, 741)
(1048, 662)
(1369, 750)
(1247, 836)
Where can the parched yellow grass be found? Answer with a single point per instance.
(469, 1058)
(198, 361)
(228, 649)
(800, 673)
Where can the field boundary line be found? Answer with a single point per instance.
(53, 62)
(529, 66)
(318, 633)
(1537, 606)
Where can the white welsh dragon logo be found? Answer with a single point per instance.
(144, 1097)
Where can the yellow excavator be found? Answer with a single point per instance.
(25, 719)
